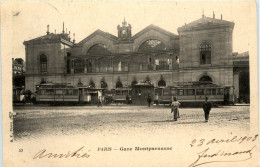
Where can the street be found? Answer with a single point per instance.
(32, 122)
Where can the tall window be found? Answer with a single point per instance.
(205, 53)
(43, 63)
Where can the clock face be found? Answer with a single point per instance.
(124, 32)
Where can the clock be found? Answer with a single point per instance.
(124, 32)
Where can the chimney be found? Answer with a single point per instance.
(55, 31)
(74, 38)
(213, 15)
(63, 29)
(48, 32)
(221, 16)
(69, 35)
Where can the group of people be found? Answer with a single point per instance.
(176, 104)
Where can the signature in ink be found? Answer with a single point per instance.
(206, 155)
(79, 153)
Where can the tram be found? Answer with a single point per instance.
(66, 94)
(122, 95)
(193, 94)
(56, 93)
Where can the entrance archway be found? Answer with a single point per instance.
(205, 78)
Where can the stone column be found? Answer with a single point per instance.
(154, 65)
(97, 65)
(170, 61)
(236, 83)
(86, 65)
(72, 66)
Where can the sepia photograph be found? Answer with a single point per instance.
(155, 83)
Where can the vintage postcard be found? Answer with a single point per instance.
(147, 84)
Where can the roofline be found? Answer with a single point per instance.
(98, 31)
(157, 28)
(181, 29)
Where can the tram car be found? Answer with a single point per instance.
(66, 94)
(193, 94)
(120, 95)
(56, 93)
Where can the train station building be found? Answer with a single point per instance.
(201, 51)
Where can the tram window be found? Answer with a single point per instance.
(118, 92)
(200, 91)
(166, 92)
(85, 91)
(58, 91)
(42, 92)
(180, 92)
(208, 91)
(213, 91)
(219, 91)
(173, 92)
(124, 92)
(49, 92)
(75, 92)
(189, 92)
(158, 91)
(69, 91)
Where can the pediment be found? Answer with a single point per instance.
(99, 34)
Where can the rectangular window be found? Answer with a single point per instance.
(58, 91)
(219, 91)
(75, 92)
(189, 92)
(213, 91)
(180, 92)
(200, 91)
(166, 92)
(208, 91)
(42, 92)
(158, 91)
(173, 92)
(69, 91)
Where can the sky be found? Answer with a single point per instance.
(23, 21)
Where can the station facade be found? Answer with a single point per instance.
(201, 51)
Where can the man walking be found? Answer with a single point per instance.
(149, 100)
(206, 108)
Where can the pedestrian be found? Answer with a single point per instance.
(99, 98)
(206, 108)
(149, 100)
(127, 99)
(175, 109)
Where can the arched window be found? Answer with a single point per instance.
(98, 49)
(161, 83)
(205, 78)
(119, 84)
(103, 84)
(43, 63)
(205, 53)
(80, 83)
(92, 84)
(134, 83)
(152, 45)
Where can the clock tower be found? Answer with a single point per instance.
(124, 31)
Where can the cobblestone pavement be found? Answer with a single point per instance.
(32, 122)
